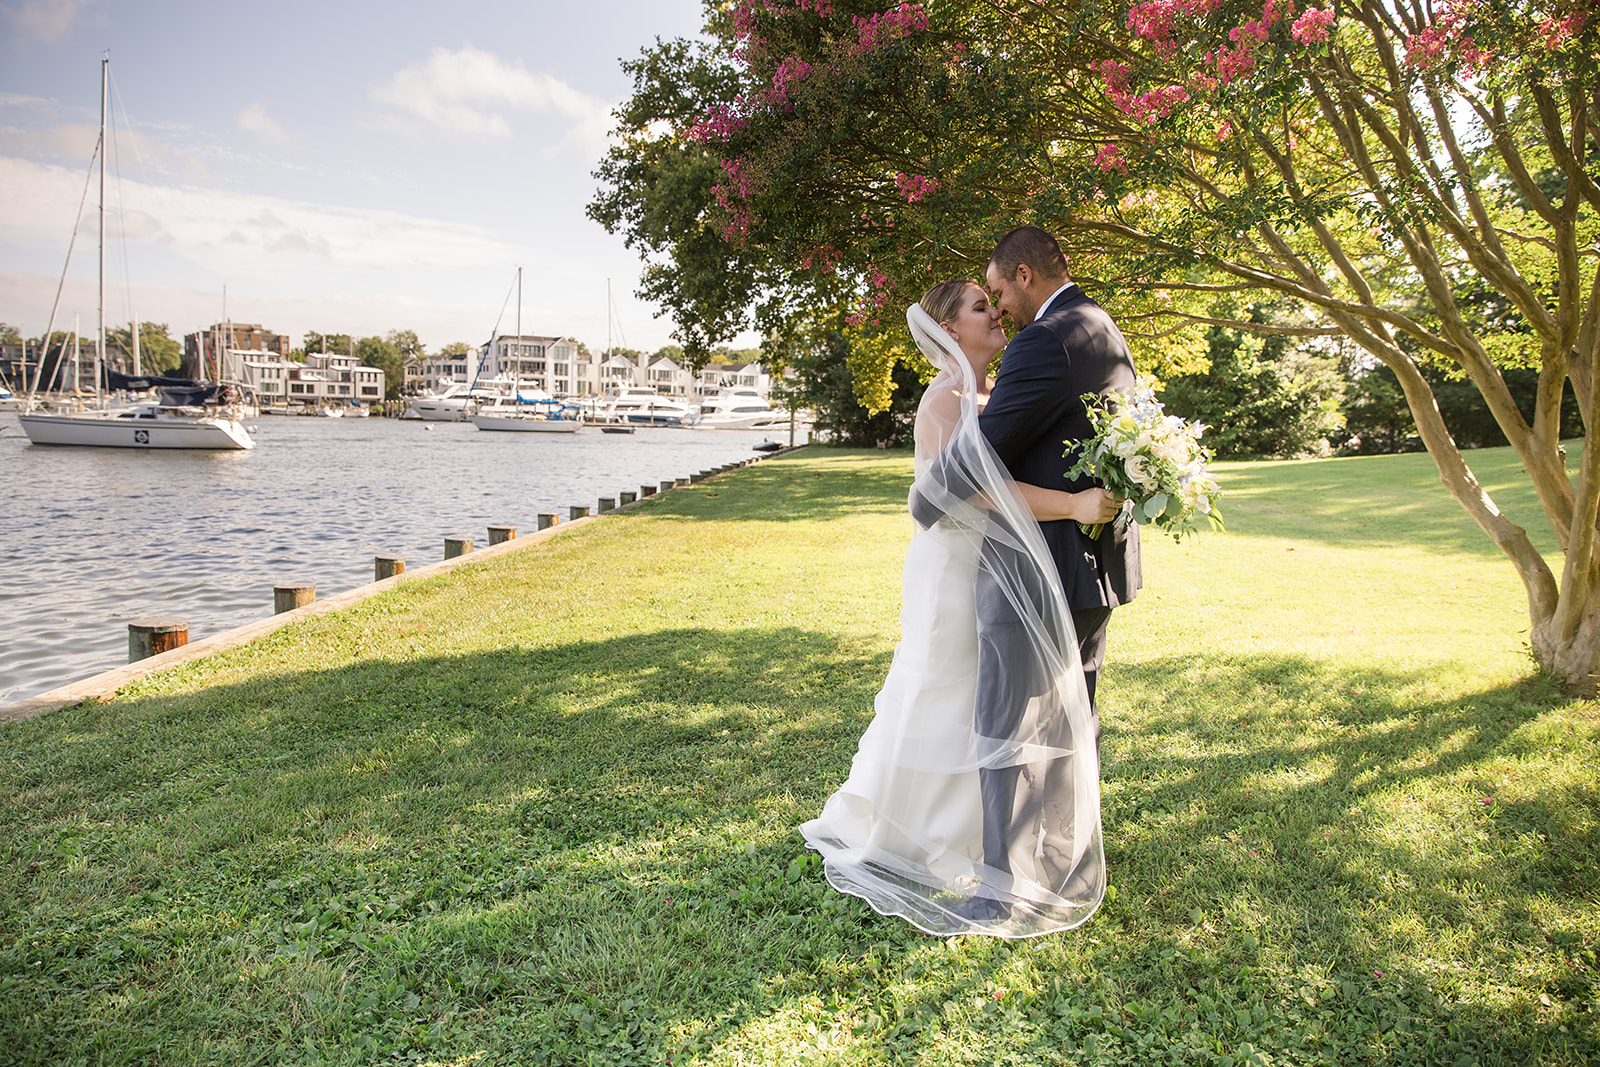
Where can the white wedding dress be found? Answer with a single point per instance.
(906, 830)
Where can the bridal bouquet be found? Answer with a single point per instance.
(1154, 459)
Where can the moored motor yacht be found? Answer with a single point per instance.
(738, 409)
(453, 403)
(640, 406)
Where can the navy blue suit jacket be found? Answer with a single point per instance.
(1036, 410)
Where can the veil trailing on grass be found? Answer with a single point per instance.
(906, 831)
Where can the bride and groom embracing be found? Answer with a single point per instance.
(973, 801)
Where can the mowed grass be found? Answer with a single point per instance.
(543, 810)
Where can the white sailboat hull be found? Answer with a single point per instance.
(114, 430)
(524, 424)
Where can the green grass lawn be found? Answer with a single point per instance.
(543, 810)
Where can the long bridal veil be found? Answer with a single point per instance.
(906, 830)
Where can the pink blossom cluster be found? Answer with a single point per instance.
(915, 186)
(789, 73)
(1313, 27)
(1147, 107)
(816, 7)
(1558, 31)
(1109, 158)
(736, 180)
(738, 185)
(1232, 64)
(1433, 45)
(876, 301)
(720, 124)
(824, 258)
(887, 27)
(1153, 20)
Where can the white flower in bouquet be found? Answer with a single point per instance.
(1153, 459)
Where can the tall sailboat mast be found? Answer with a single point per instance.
(100, 333)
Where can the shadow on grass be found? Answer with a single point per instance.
(587, 854)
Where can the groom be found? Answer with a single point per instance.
(1065, 346)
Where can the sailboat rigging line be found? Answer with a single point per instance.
(490, 346)
(50, 328)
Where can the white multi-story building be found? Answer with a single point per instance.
(323, 378)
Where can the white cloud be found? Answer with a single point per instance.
(470, 91)
(48, 20)
(239, 233)
(254, 119)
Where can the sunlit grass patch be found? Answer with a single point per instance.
(543, 811)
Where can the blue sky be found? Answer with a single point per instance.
(338, 166)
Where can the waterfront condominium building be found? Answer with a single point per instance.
(324, 378)
(218, 354)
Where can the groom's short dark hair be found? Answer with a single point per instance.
(1030, 245)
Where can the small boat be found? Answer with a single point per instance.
(616, 428)
(519, 415)
(768, 446)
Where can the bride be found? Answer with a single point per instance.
(905, 832)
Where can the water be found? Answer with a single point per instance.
(91, 538)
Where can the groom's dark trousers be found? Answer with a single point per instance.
(1034, 415)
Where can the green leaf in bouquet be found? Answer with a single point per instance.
(1174, 507)
(1151, 509)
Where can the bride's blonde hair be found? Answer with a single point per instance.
(943, 301)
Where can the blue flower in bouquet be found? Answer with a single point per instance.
(1153, 459)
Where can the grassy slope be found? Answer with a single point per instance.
(543, 810)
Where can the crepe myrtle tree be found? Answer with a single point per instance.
(1384, 163)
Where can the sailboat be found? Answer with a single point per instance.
(519, 412)
(185, 413)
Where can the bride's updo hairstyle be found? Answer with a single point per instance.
(943, 301)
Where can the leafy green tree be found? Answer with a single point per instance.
(159, 352)
(335, 343)
(9, 334)
(1263, 395)
(383, 354)
(456, 348)
(1384, 165)
(821, 382)
(406, 343)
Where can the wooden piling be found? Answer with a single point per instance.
(607, 503)
(387, 567)
(155, 634)
(681, 482)
(547, 520)
(501, 534)
(668, 483)
(457, 546)
(293, 595)
(647, 490)
(577, 511)
(628, 497)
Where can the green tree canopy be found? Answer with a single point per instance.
(159, 352)
(1423, 179)
(381, 353)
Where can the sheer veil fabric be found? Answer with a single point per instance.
(905, 831)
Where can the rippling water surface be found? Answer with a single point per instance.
(91, 538)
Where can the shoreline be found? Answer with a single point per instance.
(106, 683)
